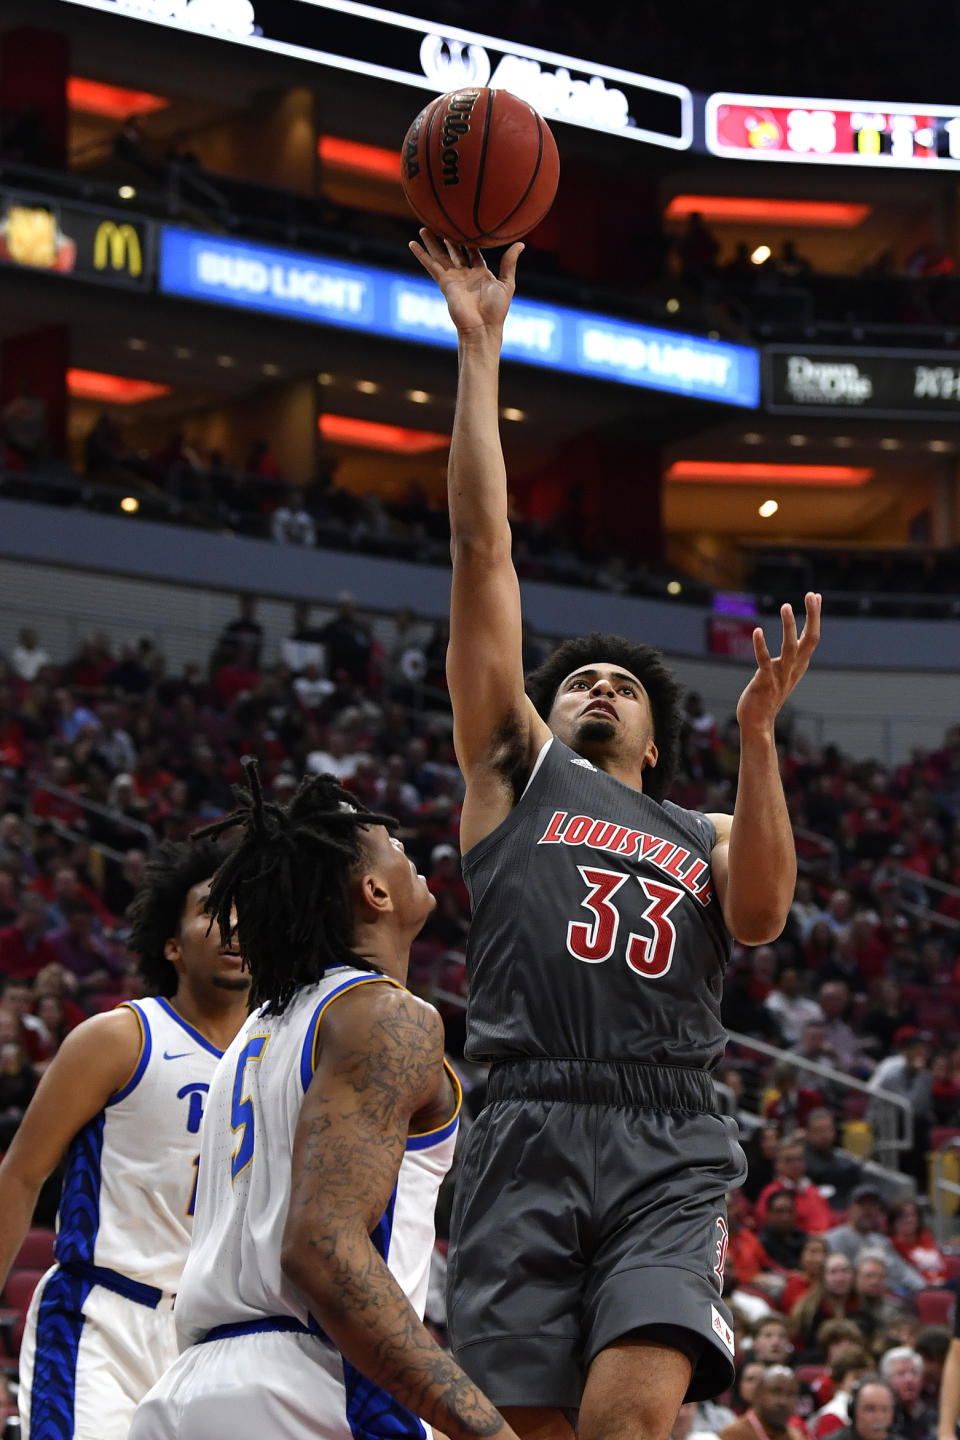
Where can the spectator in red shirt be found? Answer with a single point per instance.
(65, 887)
(847, 1367)
(48, 806)
(868, 950)
(790, 1103)
(831, 1299)
(93, 662)
(763, 971)
(747, 1257)
(24, 949)
(16, 997)
(237, 677)
(916, 1245)
(11, 731)
(810, 1272)
(812, 1211)
(149, 778)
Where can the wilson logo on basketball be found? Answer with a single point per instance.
(723, 1240)
(456, 123)
(410, 159)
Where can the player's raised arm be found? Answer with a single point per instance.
(93, 1062)
(754, 863)
(380, 1062)
(496, 728)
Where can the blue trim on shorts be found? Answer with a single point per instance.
(283, 1323)
(59, 1326)
(146, 1045)
(135, 1290)
(184, 1025)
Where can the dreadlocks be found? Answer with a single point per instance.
(643, 661)
(157, 910)
(288, 879)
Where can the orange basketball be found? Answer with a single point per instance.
(479, 167)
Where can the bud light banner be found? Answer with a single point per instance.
(323, 291)
(367, 40)
(879, 384)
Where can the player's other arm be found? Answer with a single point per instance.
(754, 861)
(950, 1394)
(94, 1061)
(496, 729)
(380, 1062)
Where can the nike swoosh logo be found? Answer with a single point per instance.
(181, 1055)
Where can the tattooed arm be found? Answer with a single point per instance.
(380, 1062)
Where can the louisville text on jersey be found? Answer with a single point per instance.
(692, 872)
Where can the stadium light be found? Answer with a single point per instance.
(752, 209)
(113, 102)
(112, 389)
(373, 435)
(732, 472)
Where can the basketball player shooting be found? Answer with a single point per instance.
(589, 1225)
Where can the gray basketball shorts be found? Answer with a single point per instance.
(589, 1207)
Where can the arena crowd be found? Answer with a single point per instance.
(831, 1269)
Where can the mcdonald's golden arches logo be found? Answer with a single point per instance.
(120, 244)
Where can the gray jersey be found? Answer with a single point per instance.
(596, 933)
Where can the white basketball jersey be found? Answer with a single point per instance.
(233, 1274)
(130, 1183)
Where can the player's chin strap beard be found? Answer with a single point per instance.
(596, 727)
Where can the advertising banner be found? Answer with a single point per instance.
(385, 302)
(40, 233)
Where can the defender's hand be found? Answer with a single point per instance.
(764, 697)
(477, 299)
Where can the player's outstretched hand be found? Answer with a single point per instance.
(477, 299)
(775, 678)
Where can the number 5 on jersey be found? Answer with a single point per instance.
(241, 1113)
(650, 956)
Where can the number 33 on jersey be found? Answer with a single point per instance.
(605, 908)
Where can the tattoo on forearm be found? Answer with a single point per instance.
(349, 1156)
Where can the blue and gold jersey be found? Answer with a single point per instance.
(233, 1275)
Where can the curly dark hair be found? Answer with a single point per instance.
(288, 879)
(643, 661)
(157, 909)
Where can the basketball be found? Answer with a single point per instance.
(480, 167)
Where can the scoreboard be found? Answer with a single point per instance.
(837, 132)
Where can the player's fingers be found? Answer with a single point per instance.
(432, 245)
(811, 629)
(508, 265)
(760, 649)
(456, 253)
(428, 263)
(789, 629)
(473, 257)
